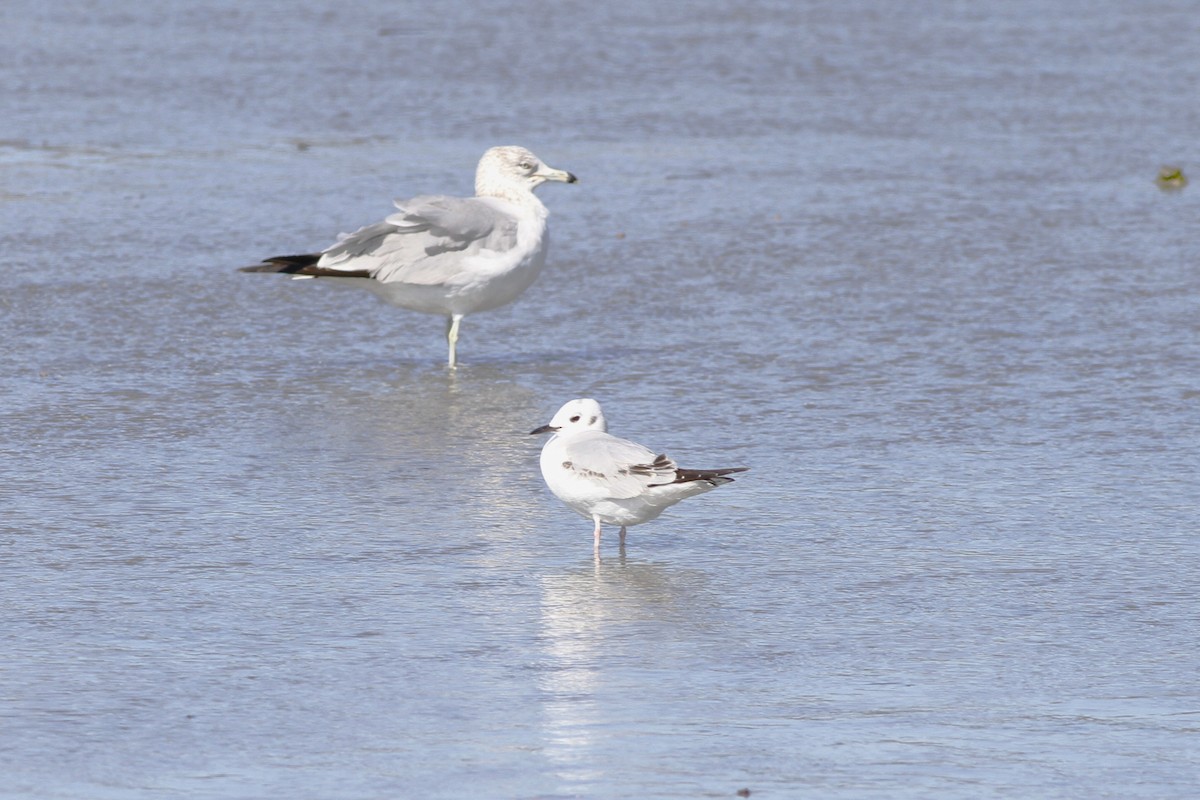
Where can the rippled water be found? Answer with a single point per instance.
(909, 264)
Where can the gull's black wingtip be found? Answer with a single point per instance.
(303, 265)
(714, 476)
(285, 264)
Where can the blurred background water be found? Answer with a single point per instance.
(908, 262)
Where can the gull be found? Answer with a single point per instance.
(447, 255)
(614, 481)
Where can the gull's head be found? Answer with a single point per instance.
(505, 171)
(576, 416)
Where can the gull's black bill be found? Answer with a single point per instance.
(543, 429)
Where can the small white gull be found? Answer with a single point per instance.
(614, 481)
(447, 255)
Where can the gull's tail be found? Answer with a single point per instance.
(715, 477)
(303, 265)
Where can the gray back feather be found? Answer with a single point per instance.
(426, 241)
(627, 468)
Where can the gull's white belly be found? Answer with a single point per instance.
(487, 280)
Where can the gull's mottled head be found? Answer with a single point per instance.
(505, 170)
(577, 415)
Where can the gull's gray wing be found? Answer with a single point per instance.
(626, 469)
(426, 242)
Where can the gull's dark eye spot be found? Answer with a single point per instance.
(525, 165)
(575, 418)
(592, 421)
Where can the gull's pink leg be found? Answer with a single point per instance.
(596, 534)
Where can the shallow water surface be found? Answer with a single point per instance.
(908, 264)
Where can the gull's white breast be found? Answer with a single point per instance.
(493, 278)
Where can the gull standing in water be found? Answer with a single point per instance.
(614, 481)
(447, 255)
